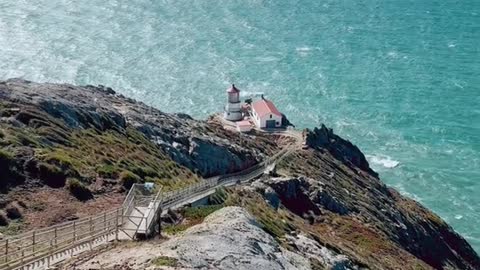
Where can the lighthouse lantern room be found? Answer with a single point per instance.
(233, 108)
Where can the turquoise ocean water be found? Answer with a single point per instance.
(400, 78)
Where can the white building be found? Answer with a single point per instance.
(265, 114)
(233, 110)
(244, 126)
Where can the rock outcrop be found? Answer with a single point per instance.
(351, 202)
(191, 143)
(325, 208)
(230, 238)
(341, 149)
(52, 133)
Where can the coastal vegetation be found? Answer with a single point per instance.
(85, 162)
(165, 261)
(191, 216)
(72, 152)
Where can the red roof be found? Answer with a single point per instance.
(233, 89)
(264, 107)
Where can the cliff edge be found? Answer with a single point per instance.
(71, 151)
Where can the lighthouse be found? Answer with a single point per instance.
(233, 110)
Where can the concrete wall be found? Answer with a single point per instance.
(262, 121)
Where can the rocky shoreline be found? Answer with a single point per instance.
(70, 151)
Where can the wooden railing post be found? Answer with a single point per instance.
(116, 224)
(123, 213)
(50, 253)
(74, 231)
(33, 241)
(55, 232)
(91, 232)
(6, 250)
(104, 221)
(106, 226)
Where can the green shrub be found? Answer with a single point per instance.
(144, 172)
(2, 135)
(165, 261)
(127, 179)
(26, 140)
(51, 175)
(79, 190)
(13, 228)
(175, 229)
(200, 212)
(5, 157)
(59, 158)
(108, 171)
(218, 197)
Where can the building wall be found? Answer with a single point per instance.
(232, 116)
(233, 107)
(233, 97)
(244, 128)
(261, 122)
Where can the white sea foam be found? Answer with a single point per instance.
(266, 59)
(383, 160)
(303, 49)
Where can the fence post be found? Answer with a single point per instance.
(104, 220)
(105, 226)
(56, 243)
(6, 250)
(74, 231)
(123, 213)
(116, 224)
(50, 253)
(33, 241)
(91, 232)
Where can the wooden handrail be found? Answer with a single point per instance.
(30, 246)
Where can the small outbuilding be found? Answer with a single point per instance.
(265, 114)
(244, 126)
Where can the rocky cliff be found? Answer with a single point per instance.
(69, 151)
(230, 238)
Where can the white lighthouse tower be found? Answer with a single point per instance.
(233, 110)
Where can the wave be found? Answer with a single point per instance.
(303, 49)
(384, 161)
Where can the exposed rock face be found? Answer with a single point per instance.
(343, 150)
(230, 238)
(194, 144)
(311, 249)
(351, 202)
(301, 195)
(50, 133)
(328, 207)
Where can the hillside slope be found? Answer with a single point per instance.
(68, 152)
